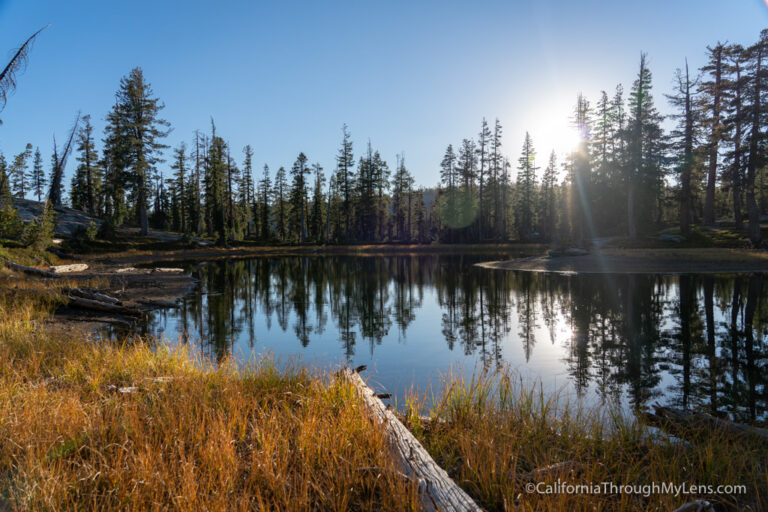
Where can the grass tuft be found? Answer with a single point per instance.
(491, 431)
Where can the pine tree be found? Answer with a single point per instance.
(216, 189)
(316, 224)
(402, 181)
(449, 198)
(712, 96)
(198, 222)
(547, 199)
(233, 216)
(420, 216)
(5, 186)
(685, 137)
(88, 170)
(38, 234)
(18, 172)
(466, 170)
(734, 127)
(755, 112)
(381, 184)
(298, 211)
(140, 132)
(580, 197)
(247, 199)
(483, 142)
(37, 178)
(497, 162)
(180, 192)
(371, 179)
(279, 204)
(526, 189)
(265, 189)
(113, 163)
(644, 152)
(345, 179)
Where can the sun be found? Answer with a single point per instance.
(553, 130)
(558, 135)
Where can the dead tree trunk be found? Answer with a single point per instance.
(437, 490)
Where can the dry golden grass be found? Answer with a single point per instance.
(187, 436)
(488, 432)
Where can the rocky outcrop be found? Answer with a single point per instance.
(68, 221)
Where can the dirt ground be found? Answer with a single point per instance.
(143, 289)
(643, 261)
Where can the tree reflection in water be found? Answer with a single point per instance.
(692, 341)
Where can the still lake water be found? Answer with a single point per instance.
(691, 341)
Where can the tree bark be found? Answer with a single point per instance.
(752, 209)
(437, 490)
(709, 202)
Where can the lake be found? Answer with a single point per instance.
(688, 341)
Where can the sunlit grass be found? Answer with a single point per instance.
(490, 431)
(87, 426)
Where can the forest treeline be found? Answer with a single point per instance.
(627, 176)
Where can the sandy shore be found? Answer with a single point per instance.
(643, 261)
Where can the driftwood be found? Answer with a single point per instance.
(30, 270)
(102, 306)
(437, 490)
(698, 422)
(84, 294)
(64, 269)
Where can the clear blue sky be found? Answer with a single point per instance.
(412, 76)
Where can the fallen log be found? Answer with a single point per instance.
(29, 270)
(65, 269)
(698, 422)
(100, 297)
(171, 270)
(437, 490)
(102, 306)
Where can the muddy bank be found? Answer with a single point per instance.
(214, 253)
(137, 289)
(643, 261)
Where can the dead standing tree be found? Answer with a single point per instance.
(16, 64)
(8, 75)
(59, 162)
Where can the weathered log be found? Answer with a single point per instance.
(697, 422)
(29, 270)
(100, 297)
(170, 270)
(102, 306)
(437, 490)
(65, 269)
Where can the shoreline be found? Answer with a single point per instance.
(642, 261)
(138, 256)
